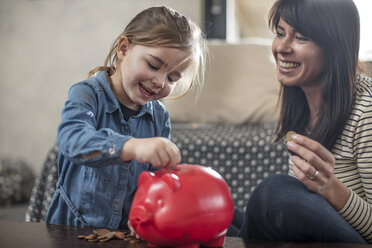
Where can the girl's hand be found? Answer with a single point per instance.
(314, 166)
(158, 151)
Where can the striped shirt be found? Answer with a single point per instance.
(353, 154)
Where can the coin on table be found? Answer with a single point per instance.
(289, 135)
(100, 232)
(91, 236)
(106, 237)
(119, 235)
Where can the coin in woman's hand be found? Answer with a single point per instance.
(289, 135)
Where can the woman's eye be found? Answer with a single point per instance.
(279, 34)
(301, 38)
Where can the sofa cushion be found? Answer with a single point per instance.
(243, 155)
(240, 87)
(16, 181)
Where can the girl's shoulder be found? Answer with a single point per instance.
(158, 105)
(97, 82)
(94, 90)
(157, 109)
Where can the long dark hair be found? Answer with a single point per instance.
(334, 26)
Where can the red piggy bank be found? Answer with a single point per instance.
(190, 206)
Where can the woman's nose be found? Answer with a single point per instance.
(284, 45)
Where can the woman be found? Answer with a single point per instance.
(328, 197)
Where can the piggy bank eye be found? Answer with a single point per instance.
(160, 203)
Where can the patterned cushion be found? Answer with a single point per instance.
(16, 181)
(44, 188)
(243, 155)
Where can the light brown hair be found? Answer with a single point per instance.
(164, 27)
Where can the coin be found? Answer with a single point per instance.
(289, 135)
(106, 236)
(103, 235)
(100, 232)
(91, 236)
(119, 235)
(93, 240)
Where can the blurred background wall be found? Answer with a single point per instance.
(45, 47)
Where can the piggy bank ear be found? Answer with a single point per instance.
(145, 176)
(172, 180)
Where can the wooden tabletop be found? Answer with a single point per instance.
(40, 235)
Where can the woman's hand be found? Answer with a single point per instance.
(158, 151)
(314, 166)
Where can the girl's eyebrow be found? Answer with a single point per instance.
(165, 64)
(158, 59)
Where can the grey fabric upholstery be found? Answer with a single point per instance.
(243, 155)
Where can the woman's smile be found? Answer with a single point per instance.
(299, 60)
(288, 66)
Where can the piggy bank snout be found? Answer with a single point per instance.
(139, 215)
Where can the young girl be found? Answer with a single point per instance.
(113, 126)
(328, 197)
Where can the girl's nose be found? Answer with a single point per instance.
(159, 80)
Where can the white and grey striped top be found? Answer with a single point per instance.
(353, 154)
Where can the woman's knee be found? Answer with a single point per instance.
(281, 196)
(274, 188)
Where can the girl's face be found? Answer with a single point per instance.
(147, 73)
(299, 60)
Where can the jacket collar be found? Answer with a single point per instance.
(113, 103)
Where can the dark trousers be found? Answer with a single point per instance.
(282, 209)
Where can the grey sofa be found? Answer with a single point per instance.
(244, 155)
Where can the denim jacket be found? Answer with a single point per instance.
(96, 191)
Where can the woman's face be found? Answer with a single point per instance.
(299, 61)
(148, 73)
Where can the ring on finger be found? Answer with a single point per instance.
(316, 173)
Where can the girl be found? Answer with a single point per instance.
(329, 196)
(114, 126)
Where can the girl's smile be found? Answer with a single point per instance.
(146, 73)
(146, 92)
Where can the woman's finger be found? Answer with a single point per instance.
(313, 146)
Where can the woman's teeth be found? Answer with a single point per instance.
(288, 65)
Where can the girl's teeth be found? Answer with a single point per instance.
(148, 91)
(288, 65)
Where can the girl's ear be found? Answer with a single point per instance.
(123, 47)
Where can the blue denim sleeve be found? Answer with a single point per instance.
(81, 133)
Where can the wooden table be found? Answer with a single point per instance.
(40, 235)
